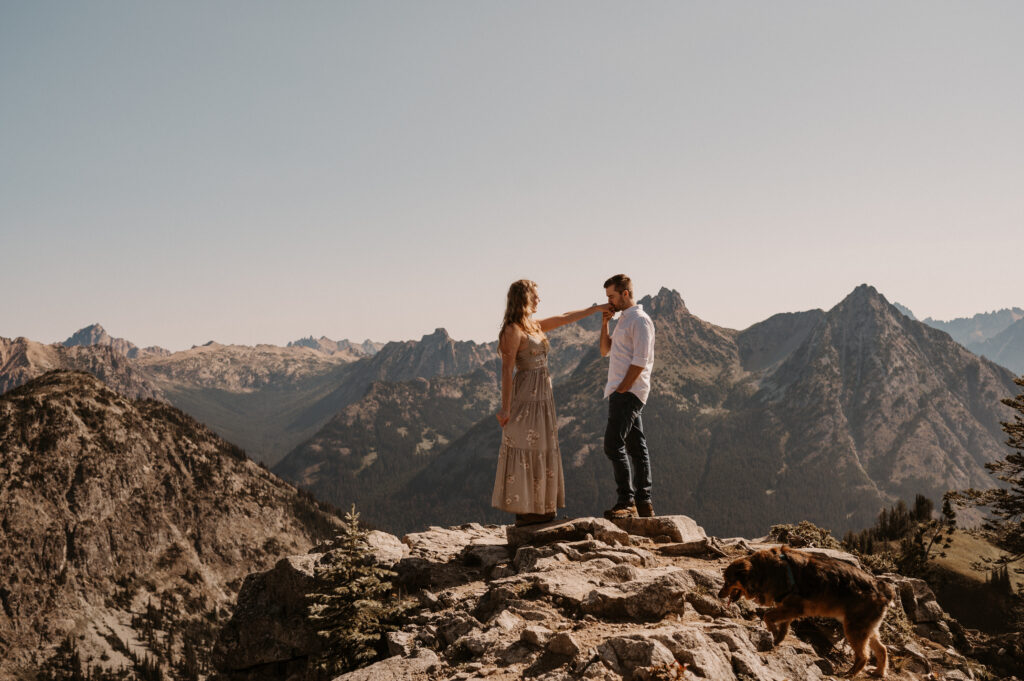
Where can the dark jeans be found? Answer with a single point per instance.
(625, 436)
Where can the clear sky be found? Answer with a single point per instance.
(256, 172)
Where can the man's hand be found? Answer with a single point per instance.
(632, 373)
(606, 314)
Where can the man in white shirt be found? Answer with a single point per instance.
(631, 350)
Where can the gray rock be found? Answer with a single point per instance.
(485, 556)
(395, 668)
(700, 547)
(703, 657)
(678, 528)
(456, 627)
(401, 643)
(440, 544)
(475, 643)
(711, 580)
(505, 620)
(564, 644)
(385, 548)
(269, 624)
(652, 595)
(536, 635)
(574, 529)
(707, 605)
(623, 654)
(929, 611)
(935, 631)
(913, 594)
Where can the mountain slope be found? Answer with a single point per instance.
(123, 518)
(371, 449)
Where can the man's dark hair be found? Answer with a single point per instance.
(621, 283)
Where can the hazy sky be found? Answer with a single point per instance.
(256, 172)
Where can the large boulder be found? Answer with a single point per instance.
(674, 528)
(268, 636)
(573, 529)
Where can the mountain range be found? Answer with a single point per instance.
(819, 415)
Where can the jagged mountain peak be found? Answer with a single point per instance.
(94, 334)
(865, 300)
(440, 335)
(666, 302)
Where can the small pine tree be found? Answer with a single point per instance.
(353, 603)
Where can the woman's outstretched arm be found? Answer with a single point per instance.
(569, 317)
(508, 345)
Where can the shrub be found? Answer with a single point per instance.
(353, 603)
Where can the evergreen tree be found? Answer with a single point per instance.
(1004, 526)
(353, 603)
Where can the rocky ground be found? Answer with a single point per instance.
(577, 599)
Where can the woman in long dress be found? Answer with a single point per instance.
(529, 477)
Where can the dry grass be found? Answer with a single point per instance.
(967, 549)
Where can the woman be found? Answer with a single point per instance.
(529, 477)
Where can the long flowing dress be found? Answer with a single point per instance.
(529, 477)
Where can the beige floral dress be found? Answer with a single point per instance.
(529, 477)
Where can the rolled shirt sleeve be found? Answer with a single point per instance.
(643, 342)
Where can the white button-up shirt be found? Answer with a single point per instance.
(632, 344)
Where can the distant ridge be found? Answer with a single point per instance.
(982, 326)
(1005, 348)
(905, 310)
(324, 344)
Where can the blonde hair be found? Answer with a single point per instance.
(517, 308)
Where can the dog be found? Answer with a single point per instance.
(801, 584)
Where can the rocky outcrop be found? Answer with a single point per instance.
(574, 599)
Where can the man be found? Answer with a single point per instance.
(631, 350)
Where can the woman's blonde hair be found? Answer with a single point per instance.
(517, 308)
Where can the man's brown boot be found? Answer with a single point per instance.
(619, 511)
(645, 509)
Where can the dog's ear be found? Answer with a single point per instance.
(741, 573)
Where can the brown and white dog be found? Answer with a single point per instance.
(800, 584)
